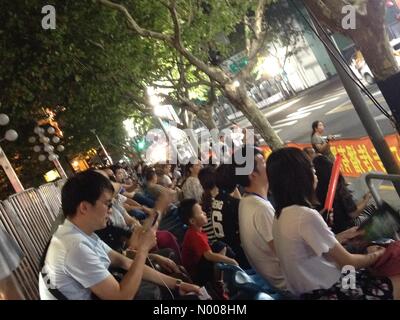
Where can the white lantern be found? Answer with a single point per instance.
(11, 135)
(4, 119)
(56, 139)
(32, 139)
(46, 140)
(60, 148)
(48, 148)
(51, 130)
(52, 157)
(36, 148)
(42, 157)
(41, 130)
(36, 130)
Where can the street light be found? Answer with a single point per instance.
(46, 146)
(10, 135)
(102, 147)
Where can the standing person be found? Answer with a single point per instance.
(77, 261)
(320, 144)
(256, 216)
(310, 254)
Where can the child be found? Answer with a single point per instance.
(197, 256)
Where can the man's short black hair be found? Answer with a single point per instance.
(246, 152)
(225, 178)
(186, 210)
(84, 186)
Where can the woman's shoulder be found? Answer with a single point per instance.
(303, 210)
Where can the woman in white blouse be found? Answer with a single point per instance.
(311, 256)
(191, 187)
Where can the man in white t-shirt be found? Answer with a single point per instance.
(77, 260)
(256, 216)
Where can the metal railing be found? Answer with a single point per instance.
(28, 217)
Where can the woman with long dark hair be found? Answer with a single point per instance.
(310, 255)
(346, 212)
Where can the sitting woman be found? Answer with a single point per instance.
(311, 256)
(346, 212)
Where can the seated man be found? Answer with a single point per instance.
(77, 261)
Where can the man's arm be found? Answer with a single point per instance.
(110, 289)
(217, 257)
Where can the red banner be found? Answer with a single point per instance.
(358, 155)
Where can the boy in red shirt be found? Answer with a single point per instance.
(197, 256)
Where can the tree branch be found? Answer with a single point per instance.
(133, 24)
(174, 15)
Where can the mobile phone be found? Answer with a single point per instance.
(155, 219)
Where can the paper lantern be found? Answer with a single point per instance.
(11, 135)
(4, 119)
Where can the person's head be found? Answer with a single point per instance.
(323, 169)
(193, 168)
(291, 178)
(167, 168)
(225, 178)
(207, 181)
(207, 177)
(310, 153)
(120, 174)
(87, 197)
(150, 175)
(257, 176)
(317, 127)
(162, 196)
(110, 174)
(191, 213)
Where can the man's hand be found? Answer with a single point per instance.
(166, 263)
(186, 288)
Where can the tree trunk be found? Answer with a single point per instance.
(371, 38)
(238, 97)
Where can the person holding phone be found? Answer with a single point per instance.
(77, 261)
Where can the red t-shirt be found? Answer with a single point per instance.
(194, 245)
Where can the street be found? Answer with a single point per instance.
(327, 102)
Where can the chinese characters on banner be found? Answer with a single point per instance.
(359, 156)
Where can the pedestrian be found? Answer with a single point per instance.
(320, 144)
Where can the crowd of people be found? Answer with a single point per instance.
(157, 232)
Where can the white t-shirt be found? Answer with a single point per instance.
(192, 189)
(301, 236)
(256, 216)
(120, 199)
(74, 263)
(117, 217)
